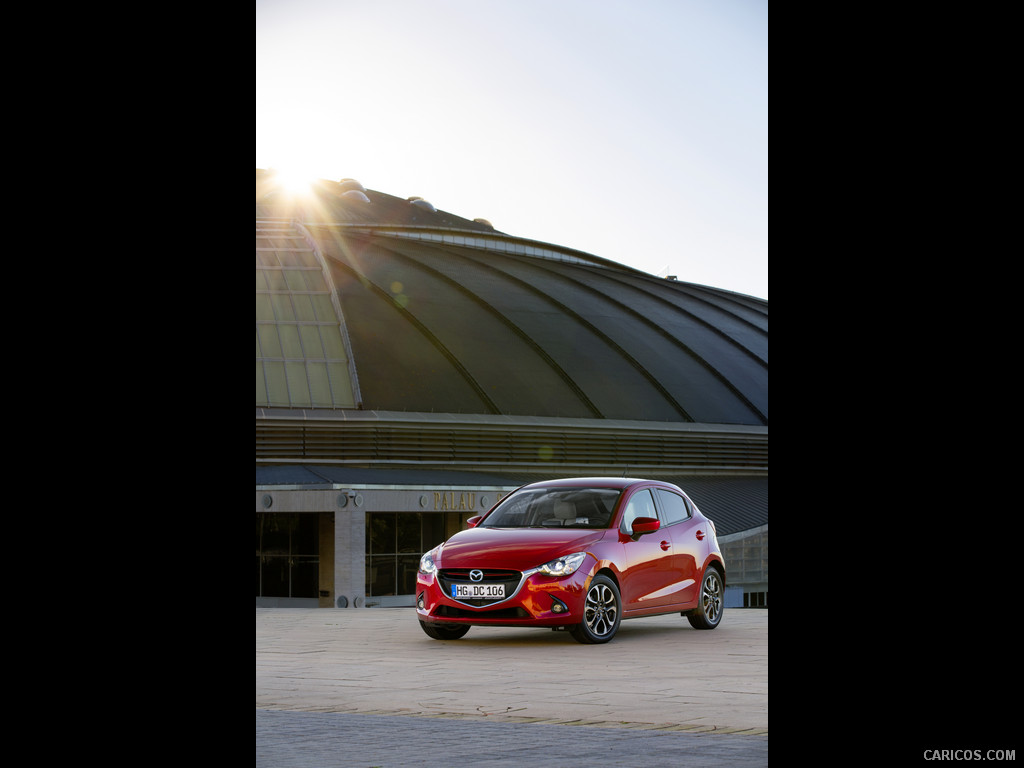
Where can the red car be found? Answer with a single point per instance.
(579, 554)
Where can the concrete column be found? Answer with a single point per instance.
(350, 557)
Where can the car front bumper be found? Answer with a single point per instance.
(537, 600)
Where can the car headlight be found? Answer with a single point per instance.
(563, 566)
(427, 564)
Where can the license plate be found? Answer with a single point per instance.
(478, 591)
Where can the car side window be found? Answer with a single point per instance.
(641, 504)
(674, 506)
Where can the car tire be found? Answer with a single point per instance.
(708, 613)
(439, 632)
(602, 613)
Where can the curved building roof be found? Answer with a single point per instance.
(368, 301)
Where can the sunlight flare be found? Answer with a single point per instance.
(295, 179)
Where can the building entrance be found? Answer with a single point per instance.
(395, 541)
(287, 556)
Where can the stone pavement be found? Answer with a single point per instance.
(366, 687)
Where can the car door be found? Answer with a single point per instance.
(689, 544)
(648, 578)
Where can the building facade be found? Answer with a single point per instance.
(413, 366)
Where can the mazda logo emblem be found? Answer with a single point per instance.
(476, 575)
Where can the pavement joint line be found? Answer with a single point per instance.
(620, 724)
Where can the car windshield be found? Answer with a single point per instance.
(555, 507)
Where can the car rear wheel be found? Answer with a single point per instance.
(712, 601)
(602, 611)
(439, 632)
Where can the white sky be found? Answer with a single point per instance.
(635, 130)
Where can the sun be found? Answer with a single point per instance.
(296, 178)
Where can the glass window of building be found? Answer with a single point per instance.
(287, 555)
(394, 543)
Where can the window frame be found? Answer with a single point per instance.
(663, 507)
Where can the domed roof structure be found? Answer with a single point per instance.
(382, 303)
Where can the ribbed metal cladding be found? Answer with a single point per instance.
(482, 445)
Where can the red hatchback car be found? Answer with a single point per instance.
(580, 554)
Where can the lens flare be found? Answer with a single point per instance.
(295, 179)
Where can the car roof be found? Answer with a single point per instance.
(597, 482)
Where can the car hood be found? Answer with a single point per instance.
(516, 548)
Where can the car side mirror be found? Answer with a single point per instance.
(474, 521)
(643, 525)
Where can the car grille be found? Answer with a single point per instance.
(449, 576)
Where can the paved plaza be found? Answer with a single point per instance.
(366, 687)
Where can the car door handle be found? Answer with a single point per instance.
(700, 535)
(665, 545)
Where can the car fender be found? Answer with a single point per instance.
(603, 564)
(716, 559)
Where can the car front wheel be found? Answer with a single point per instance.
(602, 611)
(712, 601)
(438, 632)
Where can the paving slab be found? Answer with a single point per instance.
(658, 676)
(288, 739)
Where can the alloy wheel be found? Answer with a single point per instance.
(601, 611)
(711, 597)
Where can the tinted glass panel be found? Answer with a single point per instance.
(270, 341)
(433, 531)
(407, 567)
(381, 536)
(674, 507)
(394, 543)
(277, 534)
(305, 577)
(409, 533)
(641, 504)
(275, 577)
(306, 535)
(555, 507)
(287, 555)
(380, 575)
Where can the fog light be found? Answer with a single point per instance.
(419, 601)
(557, 606)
